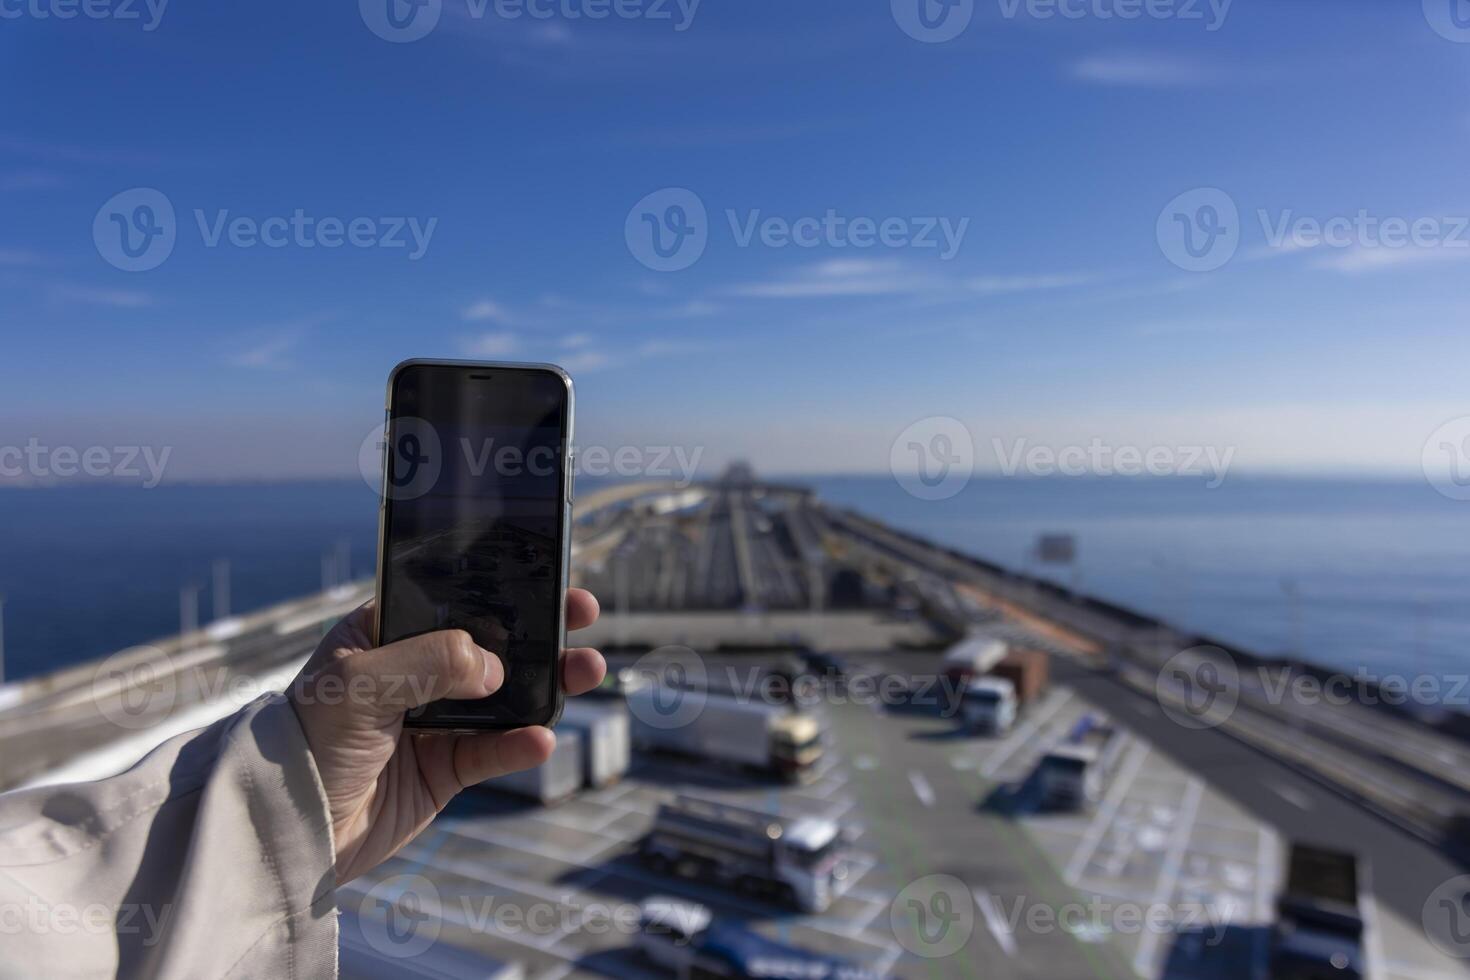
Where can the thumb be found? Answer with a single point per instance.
(410, 673)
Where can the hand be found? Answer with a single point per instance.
(383, 784)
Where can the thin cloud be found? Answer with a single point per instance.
(1380, 257)
(126, 299)
(491, 345)
(1024, 284)
(840, 277)
(485, 309)
(267, 355)
(1147, 70)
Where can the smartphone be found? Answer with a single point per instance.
(474, 529)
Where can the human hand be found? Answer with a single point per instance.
(384, 784)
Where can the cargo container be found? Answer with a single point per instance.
(606, 739)
(768, 738)
(990, 704)
(1319, 919)
(801, 862)
(558, 778)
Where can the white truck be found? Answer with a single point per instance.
(1071, 776)
(723, 728)
(555, 780)
(606, 738)
(991, 703)
(800, 862)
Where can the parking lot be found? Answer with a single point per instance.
(1164, 877)
(571, 872)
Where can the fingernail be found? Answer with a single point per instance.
(492, 670)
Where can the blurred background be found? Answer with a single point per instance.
(1155, 308)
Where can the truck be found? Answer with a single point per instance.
(970, 659)
(723, 728)
(555, 780)
(801, 862)
(989, 704)
(1319, 919)
(1071, 775)
(683, 939)
(606, 738)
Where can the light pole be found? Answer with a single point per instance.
(188, 609)
(220, 592)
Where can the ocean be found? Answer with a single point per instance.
(1351, 574)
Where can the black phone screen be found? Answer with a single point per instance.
(476, 493)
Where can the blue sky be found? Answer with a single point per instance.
(1060, 319)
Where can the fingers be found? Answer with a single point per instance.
(582, 609)
(481, 757)
(582, 669)
(415, 671)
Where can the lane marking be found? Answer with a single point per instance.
(921, 786)
(995, 922)
(1022, 735)
(1169, 874)
(1122, 783)
(1292, 795)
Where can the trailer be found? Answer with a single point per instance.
(1071, 775)
(974, 656)
(800, 862)
(770, 738)
(1319, 918)
(989, 704)
(606, 738)
(555, 780)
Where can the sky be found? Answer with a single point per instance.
(1056, 230)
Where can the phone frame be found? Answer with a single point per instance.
(558, 696)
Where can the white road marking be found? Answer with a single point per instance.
(997, 925)
(1040, 715)
(1292, 795)
(1122, 781)
(921, 786)
(1169, 874)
